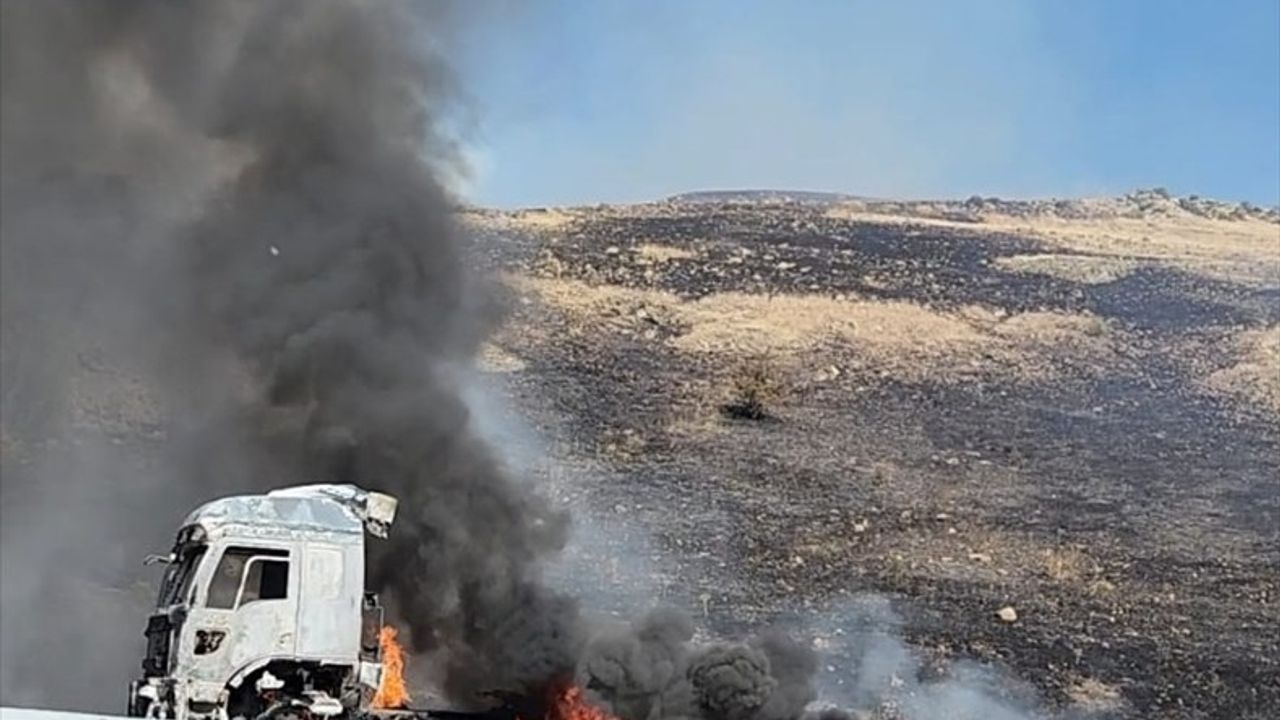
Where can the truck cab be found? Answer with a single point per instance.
(262, 611)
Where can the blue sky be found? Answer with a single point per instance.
(605, 101)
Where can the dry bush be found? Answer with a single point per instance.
(1067, 565)
(755, 387)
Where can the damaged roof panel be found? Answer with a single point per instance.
(325, 508)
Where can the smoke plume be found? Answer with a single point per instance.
(242, 201)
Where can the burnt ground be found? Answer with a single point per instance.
(1129, 516)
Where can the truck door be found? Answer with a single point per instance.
(248, 613)
(329, 604)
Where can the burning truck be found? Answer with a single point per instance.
(263, 612)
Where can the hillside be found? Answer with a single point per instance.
(1065, 408)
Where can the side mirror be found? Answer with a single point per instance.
(379, 513)
(162, 559)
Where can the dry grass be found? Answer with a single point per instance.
(743, 322)
(1094, 696)
(1254, 377)
(536, 219)
(895, 338)
(973, 553)
(1245, 251)
(1050, 332)
(544, 219)
(1084, 269)
(1072, 567)
(693, 423)
(657, 254)
(1066, 565)
(494, 359)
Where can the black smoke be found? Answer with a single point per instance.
(652, 669)
(333, 269)
(244, 198)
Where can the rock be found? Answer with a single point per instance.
(1007, 614)
(830, 372)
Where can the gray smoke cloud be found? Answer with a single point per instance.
(653, 670)
(93, 174)
(870, 671)
(241, 203)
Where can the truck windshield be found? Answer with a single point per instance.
(178, 578)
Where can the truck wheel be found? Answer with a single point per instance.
(137, 705)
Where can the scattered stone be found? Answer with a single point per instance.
(1007, 614)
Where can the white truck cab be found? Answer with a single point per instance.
(262, 612)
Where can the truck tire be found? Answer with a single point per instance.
(136, 706)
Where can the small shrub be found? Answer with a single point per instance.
(755, 387)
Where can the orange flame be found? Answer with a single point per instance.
(568, 703)
(392, 692)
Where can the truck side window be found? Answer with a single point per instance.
(266, 579)
(231, 574)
